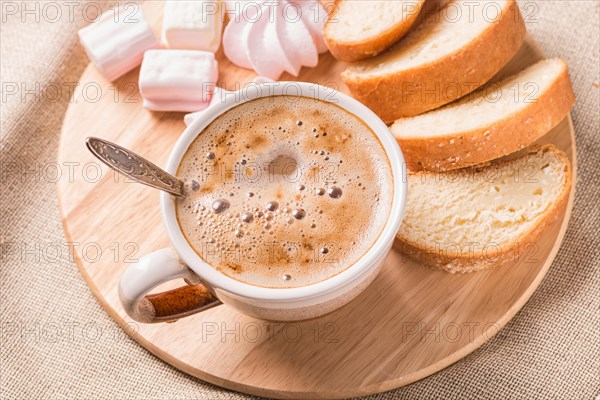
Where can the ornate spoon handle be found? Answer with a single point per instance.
(134, 166)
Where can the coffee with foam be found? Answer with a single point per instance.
(284, 191)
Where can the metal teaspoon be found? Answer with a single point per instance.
(134, 166)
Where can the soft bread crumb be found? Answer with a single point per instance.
(433, 39)
(360, 20)
(485, 107)
(478, 212)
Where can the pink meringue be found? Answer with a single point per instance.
(271, 37)
(314, 16)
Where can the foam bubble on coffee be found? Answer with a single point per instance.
(284, 191)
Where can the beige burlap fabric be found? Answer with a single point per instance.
(57, 342)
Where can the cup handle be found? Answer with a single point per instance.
(155, 269)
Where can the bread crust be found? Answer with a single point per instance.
(477, 261)
(515, 132)
(452, 76)
(369, 47)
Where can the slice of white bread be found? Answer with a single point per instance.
(497, 120)
(448, 55)
(475, 218)
(358, 29)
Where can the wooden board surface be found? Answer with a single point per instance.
(411, 322)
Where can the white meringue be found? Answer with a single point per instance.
(263, 48)
(271, 37)
(235, 39)
(314, 16)
(303, 52)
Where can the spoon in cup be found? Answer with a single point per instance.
(134, 166)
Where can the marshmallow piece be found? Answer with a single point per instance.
(178, 80)
(191, 117)
(217, 96)
(174, 105)
(261, 79)
(116, 43)
(193, 25)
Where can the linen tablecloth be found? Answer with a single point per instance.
(57, 342)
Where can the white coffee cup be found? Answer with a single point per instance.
(207, 287)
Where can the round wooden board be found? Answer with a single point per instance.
(411, 322)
